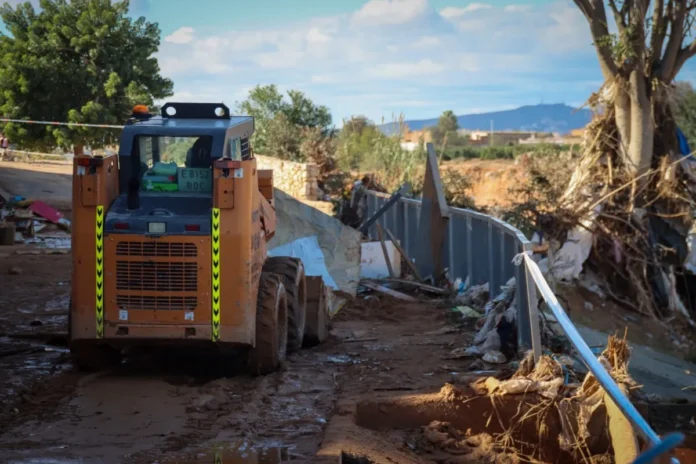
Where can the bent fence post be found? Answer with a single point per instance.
(528, 280)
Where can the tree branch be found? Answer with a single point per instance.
(683, 55)
(618, 17)
(585, 7)
(659, 31)
(597, 18)
(636, 40)
(674, 43)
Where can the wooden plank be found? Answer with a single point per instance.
(387, 291)
(402, 252)
(424, 287)
(380, 235)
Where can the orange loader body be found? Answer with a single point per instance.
(187, 265)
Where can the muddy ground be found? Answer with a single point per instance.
(172, 407)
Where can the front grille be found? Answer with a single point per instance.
(156, 276)
(154, 249)
(135, 302)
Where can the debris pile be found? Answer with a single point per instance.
(27, 221)
(567, 414)
(441, 438)
(636, 232)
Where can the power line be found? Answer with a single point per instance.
(56, 123)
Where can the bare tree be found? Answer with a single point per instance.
(639, 62)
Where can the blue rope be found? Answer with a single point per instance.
(668, 443)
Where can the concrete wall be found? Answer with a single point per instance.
(296, 179)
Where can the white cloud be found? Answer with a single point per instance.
(316, 36)
(182, 35)
(384, 12)
(427, 42)
(455, 12)
(509, 50)
(518, 8)
(423, 67)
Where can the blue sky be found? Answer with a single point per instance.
(379, 57)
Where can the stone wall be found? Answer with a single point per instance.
(296, 179)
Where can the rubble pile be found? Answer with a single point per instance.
(26, 221)
(568, 411)
(637, 234)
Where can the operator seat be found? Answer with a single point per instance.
(200, 154)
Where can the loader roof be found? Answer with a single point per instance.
(188, 120)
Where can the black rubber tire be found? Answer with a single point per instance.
(271, 327)
(93, 358)
(291, 271)
(317, 328)
(90, 357)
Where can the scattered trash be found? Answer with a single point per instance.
(467, 312)
(494, 357)
(460, 353)
(475, 296)
(28, 222)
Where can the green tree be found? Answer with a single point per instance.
(303, 112)
(684, 107)
(447, 125)
(265, 102)
(448, 122)
(355, 142)
(283, 139)
(82, 61)
(356, 124)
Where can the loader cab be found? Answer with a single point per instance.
(166, 167)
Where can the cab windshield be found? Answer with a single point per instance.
(173, 164)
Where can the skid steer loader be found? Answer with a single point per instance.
(169, 244)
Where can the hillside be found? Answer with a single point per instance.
(541, 118)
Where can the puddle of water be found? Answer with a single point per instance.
(341, 359)
(243, 453)
(45, 461)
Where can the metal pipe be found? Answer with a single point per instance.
(602, 376)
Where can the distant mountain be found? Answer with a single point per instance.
(539, 118)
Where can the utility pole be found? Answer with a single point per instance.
(491, 143)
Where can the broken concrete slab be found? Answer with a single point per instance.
(339, 244)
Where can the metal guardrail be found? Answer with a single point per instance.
(483, 249)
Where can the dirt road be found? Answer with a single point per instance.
(170, 406)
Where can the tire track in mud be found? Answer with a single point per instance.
(147, 411)
(288, 409)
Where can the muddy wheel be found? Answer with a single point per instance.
(291, 271)
(318, 321)
(91, 358)
(271, 326)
